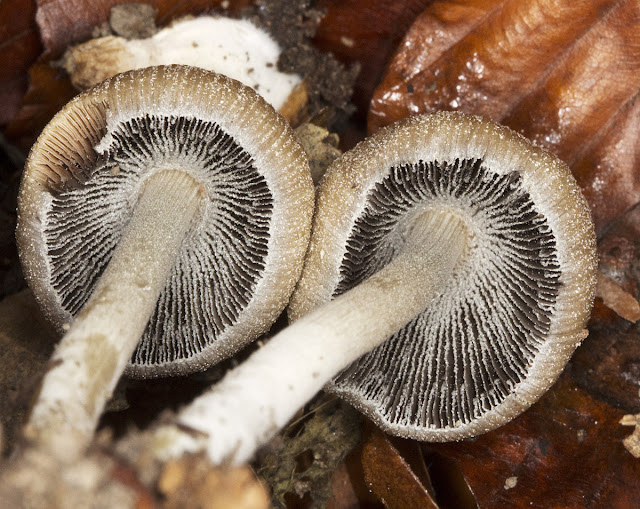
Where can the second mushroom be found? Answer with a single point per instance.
(450, 277)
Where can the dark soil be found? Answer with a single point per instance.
(293, 25)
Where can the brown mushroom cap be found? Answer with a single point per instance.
(240, 261)
(506, 323)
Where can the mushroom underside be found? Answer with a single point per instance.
(219, 263)
(465, 354)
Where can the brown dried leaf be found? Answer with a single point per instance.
(566, 451)
(615, 298)
(587, 87)
(438, 28)
(493, 67)
(66, 22)
(390, 477)
(344, 494)
(607, 170)
(19, 48)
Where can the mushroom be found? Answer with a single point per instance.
(234, 47)
(163, 218)
(449, 278)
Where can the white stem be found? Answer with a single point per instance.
(260, 396)
(92, 355)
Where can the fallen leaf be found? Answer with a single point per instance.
(437, 28)
(607, 169)
(389, 476)
(343, 492)
(66, 22)
(597, 76)
(491, 68)
(566, 451)
(614, 297)
(19, 48)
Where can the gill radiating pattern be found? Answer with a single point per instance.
(234, 234)
(479, 337)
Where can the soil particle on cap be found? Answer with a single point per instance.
(131, 21)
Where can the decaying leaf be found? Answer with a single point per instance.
(19, 48)
(389, 476)
(302, 462)
(563, 73)
(531, 462)
(607, 169)
(615, 298)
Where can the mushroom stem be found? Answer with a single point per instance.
(261, 395)
(93, 353)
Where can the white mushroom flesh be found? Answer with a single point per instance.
(233, 47)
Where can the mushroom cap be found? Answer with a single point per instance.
(502, 329)
(239, 263)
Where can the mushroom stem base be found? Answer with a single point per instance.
(260, 396)
(92, 355)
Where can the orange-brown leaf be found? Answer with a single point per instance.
(608, 170)
(390, 477)
(587, 87)
(19, 48)
(566, 451)
(493, 67)
(437, 28)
